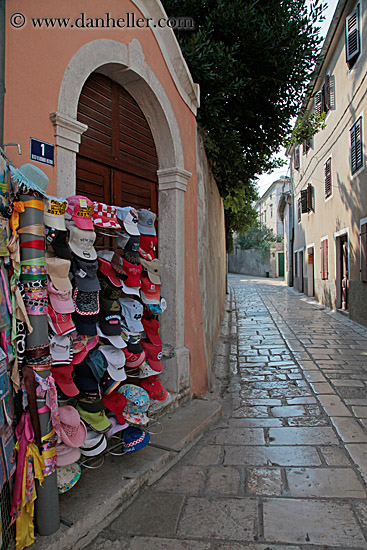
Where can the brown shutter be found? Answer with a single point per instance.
(356, 158)
(304, 201)
(326, 90)
(299, 209)
(296, 159)
(324, 259)
(318, 103)
(364, 252)
(352, 40)
(327, 169)
(310, 206)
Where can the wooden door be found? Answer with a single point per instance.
(344, 271)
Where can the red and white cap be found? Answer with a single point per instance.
(105, 216)
(133, 273)
(60, 323)
(106, 269)
(81, 210)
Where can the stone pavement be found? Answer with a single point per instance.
(285, 468)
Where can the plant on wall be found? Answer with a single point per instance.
(306, 128)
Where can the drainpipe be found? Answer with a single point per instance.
(2, 69)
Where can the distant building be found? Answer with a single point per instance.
(267, 205)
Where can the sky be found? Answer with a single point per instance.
(266, 180)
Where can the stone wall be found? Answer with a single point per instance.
(211, 253)
(260, 263)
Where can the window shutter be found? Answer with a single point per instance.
(356, 159)
(296, 159)
(299, 209)
(327, 168)
(352, 41)
(324, 259)
(332, 91)
(304, 196)
(364, 252)
(326, 90)
(318, 102)
(310, 206)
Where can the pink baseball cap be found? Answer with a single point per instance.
(81, 210)
(61, 300)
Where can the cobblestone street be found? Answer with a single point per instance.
(286, 466)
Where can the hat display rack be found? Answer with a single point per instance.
(90, 288)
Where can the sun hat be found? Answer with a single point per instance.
(116, 362)
(64, 379)
(117, 341)
(116, 426)
(145, 371)
(137, 404)
(154, 355)
(154, 269)
(85, 274)
(153, 386)
(66, 455)
(54, 210)
(132, 310)
(81, 210)
(110, 322)
(61, 350)
(67, 477)
(85, 324)
(104, 216)
(73, 432)
(58, 271)
(151, 327)
(98, 422)
(86, 303)
(107, 271)
(150, 292)
(134, 439)
(148, 244)
(60, 300)
(35, 175)
(92, 342)
(60, 323)
(59, 241)
(81, 242)
(94, 445)
(129, 217)
(116, 403)
(146, 220)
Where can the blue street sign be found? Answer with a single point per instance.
(42, 151)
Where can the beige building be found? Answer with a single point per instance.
(329, 177)
(267, 206)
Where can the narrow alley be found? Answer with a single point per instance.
(285, 467)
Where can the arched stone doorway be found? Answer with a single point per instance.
(125, 64)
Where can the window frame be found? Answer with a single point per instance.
(352, 132)
(328, 196)
(352, 59)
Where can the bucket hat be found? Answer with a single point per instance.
(67, 477)
(104, 216)
(54, 210)
(59, 241)
(129, 218)
(151, 327)
(94, 445)
(81, 242)
(58, 271)
(60, 323)
(98, 422)
(60, 300)
(134, 439)
(73, 432)
(85, 324)
(81, 211)
(137, 404)
(132, 310)
(116, 362)
(154, 355)
(66, 455)
(85, 274)
(146, 220)
(64, 380)
(35, 175)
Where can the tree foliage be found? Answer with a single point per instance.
(257, 237)
(253, 60)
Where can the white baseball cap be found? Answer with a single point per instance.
(81, 242)
(129, 218)
(116, 360)
(132, 310)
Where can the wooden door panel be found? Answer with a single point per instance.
(93, 180)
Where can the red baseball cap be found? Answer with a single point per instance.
(150, 293)
(154, 355)
(61, 323)
(63, 378)
(148, 243)
(135, 360)
(133, 273)
(106, 269)
(116, 403)
(151, 327)
(154, 388)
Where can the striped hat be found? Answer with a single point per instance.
(104, 216)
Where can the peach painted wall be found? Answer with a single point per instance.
(35, 63)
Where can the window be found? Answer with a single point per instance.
(356, 156)
(323, 98)
(324, 259)
(299, 208)
(363, 235)
(296, 159)
(306, 145)
(310, 198)
(352, 38)
(295, 264)
(304, 208)
(327, 171)
(271, 210)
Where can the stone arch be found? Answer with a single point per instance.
(125, 63)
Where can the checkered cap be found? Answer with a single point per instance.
(104, 216)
